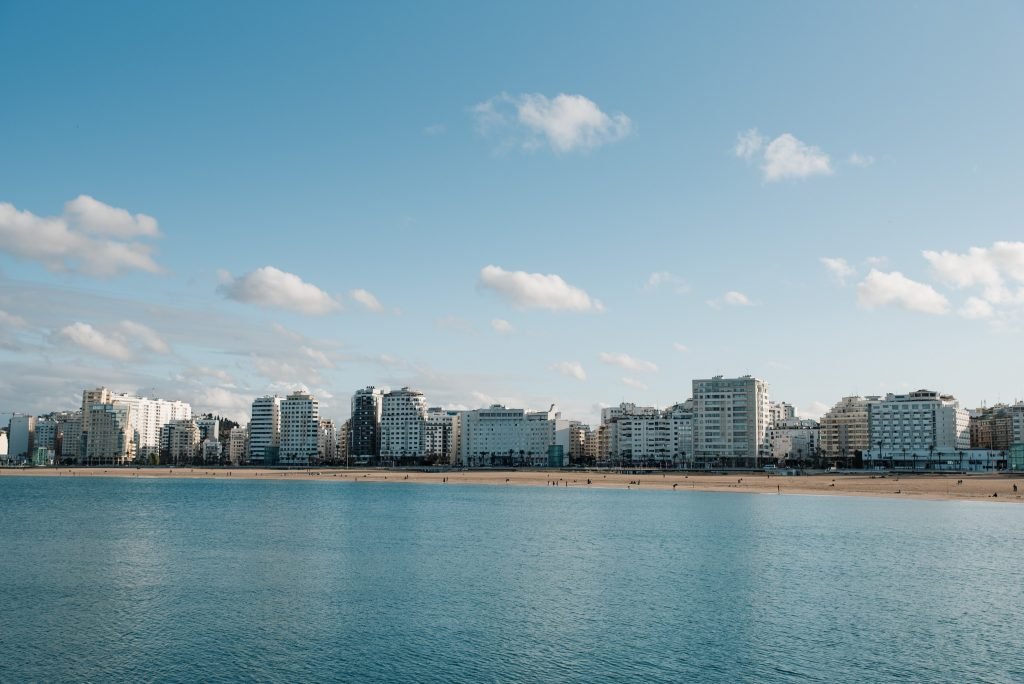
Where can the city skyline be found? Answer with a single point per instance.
(671, 196)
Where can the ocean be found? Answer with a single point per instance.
(133, 580)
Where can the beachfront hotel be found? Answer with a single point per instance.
(265, 430)
(300, 429)
(730, 422)
(402, 422)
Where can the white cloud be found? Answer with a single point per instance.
(814, 411)
(748, 144)
(987, 267)
(92, 340)
(565, 122)
(975, 308)
(788, 157)
(90, 238)
(316, 356)
(680, 347)
(628, 362)
(146, 336)
(8, 321)
(98, 218)
(861, 160)
(537, 290)
(196, 372)
(894, 289)
(664, 278)
(271, 287)
(501, 326)
(839, 268)
(287, 374)
(435, 129)
(731, 298)
(223, 402)
(570, 369)
(634, 383)
(367, 299)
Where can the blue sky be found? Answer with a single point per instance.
(322, 187)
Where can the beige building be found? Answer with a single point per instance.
(110, 440)
(845, 429)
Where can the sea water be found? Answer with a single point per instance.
(220, 580)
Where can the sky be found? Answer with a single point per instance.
(530, 203)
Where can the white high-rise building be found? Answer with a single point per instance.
(913, 430)
(731, 418)
(147, 416)
(264, 430)
(504, 436)
(300, 429)
(779, 411)
(402, 423)
(441, 436)
(21, 431)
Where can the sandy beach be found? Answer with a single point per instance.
(931, 486)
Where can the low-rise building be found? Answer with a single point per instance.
(794, 440)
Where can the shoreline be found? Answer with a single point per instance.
(936, 487)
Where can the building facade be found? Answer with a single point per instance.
(265, 430)
(499, 436)
(441, 436)
(917, 430)
(110, 440)
(731, 418)
(845, 430)
(794, 440)
(21, 437)
(402, 422)
(364, 425)
(300, 429)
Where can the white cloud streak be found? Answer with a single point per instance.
(570, 369)
(784, 157)
(273, 288)
(839, 269)
(880, 289)
(537, 290)
(146, 336)
(501, 326)
(634, 383)
(367, 299)
(91, 238)
(92, 340)
(564, 122)
(628, 362)
(730, 298)
(660, 279)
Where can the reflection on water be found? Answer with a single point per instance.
(131, 579)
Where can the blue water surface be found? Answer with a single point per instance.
(129, 580)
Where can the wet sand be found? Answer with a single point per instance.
(931, 486)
